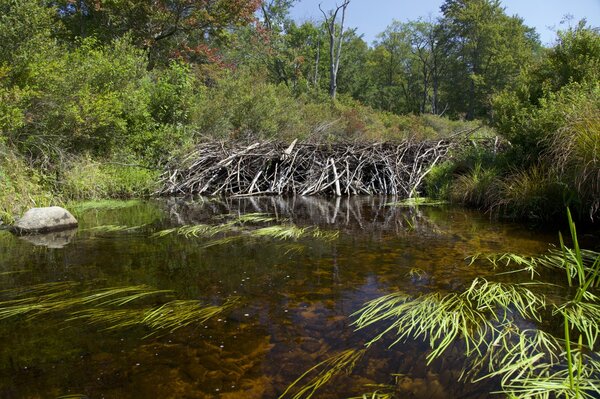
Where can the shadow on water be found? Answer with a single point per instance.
(295, 298)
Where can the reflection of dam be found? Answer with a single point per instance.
(372, 213)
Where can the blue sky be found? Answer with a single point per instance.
(370, 17)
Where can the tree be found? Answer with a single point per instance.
(335, 43)
(486, 48)
(164, 28)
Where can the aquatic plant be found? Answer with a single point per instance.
(80, 207)
(442, 319)
(343, 362)
(417, 201)
(110, 228)
(243, 227)
(107, 306)
(46, 298)
(170, 316)
(383, 392)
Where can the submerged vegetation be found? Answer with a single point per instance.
(109, 307)
(244, 227)
(491, 323)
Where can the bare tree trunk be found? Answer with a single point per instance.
(335, 43)
(316, 77)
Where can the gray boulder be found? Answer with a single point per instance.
(43, 220)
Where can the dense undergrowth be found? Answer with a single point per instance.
(98, 115)
(550, 124)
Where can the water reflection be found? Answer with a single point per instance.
(56, 240)
(294, 307)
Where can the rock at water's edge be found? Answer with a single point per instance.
(43, 220)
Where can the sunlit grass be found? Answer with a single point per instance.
(244, 227)
(170, 316)
(323, 372)
(47, 298)
(110, 228)
(81, 207)
(442, 319)
(417, 201)
(486, 316)
(108, 306)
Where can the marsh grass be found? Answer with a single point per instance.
(169, 316)
(323, 372)
(47, 298)
(475, 187)
(574, 152)
(247, 227)
(108, 306)
(418, 201)
(110, 228)
(442, 319)
(85, 206)
(382, 392)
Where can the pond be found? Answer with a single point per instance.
(280, 303)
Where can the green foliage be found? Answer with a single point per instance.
(547, 92)
(476, 187)
(241, 107)
(110, 307)
(533, 193)
(574, 151)
(86, 179)
(20, 186)
(486, 317)
(488, 49)
(343, 362)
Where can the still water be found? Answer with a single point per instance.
(293, 298)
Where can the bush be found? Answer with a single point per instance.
(475, 188)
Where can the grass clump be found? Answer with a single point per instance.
(244, 227)
(323, 372)
(113, 307)
(169, 316)
(86, 179)
(476, 187)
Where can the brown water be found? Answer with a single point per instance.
(296, 298)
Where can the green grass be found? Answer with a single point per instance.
(322, 373)
(247, 227)
(112, 307)
(418, 201)
(97, 205)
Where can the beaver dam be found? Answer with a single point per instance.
(272, 168)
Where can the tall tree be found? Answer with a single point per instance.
(162, 27)
(335, 42)
(487, 48)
